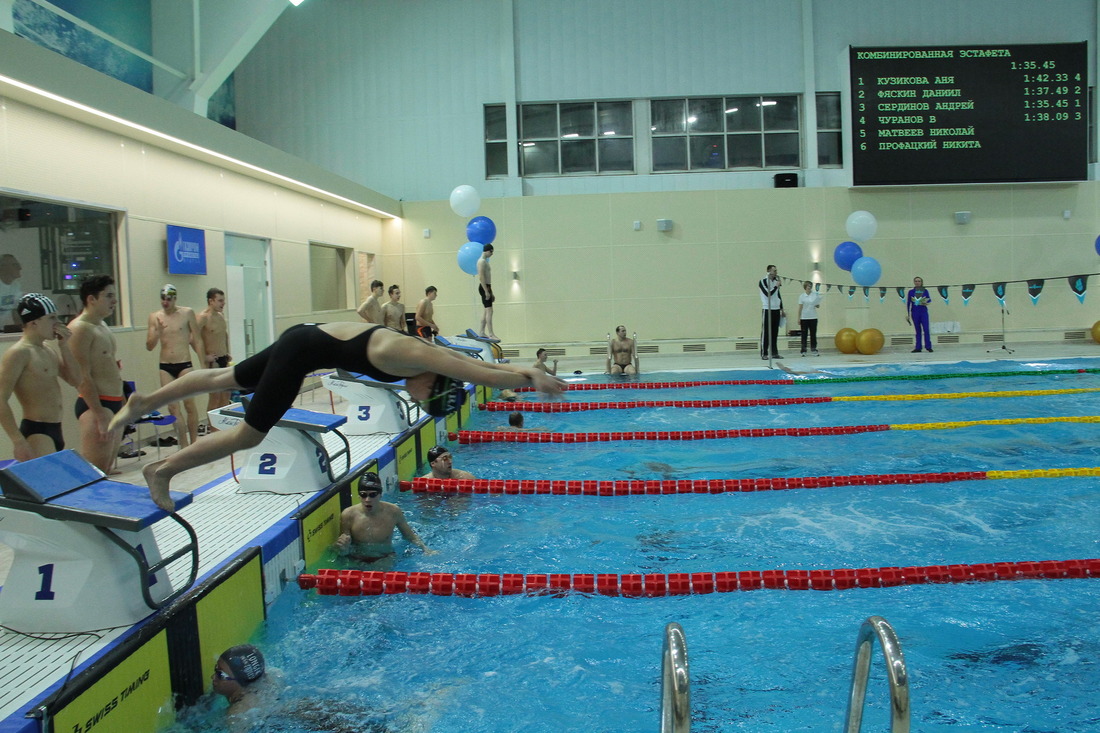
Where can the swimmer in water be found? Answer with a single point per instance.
(366, 528)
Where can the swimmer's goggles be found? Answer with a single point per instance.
(447, 395)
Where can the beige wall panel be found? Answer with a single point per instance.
(763, 215)
(289, 264)
(1039, 209)
(566, 222)
(580, 320)
(562, 276)
(692, 215)
(933, 213)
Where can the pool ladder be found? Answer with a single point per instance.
(676, 679)
(898, 677)
(675, 682)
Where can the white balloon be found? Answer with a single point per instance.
(861, 225)
(465, 200)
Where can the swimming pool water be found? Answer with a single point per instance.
(1013, 656)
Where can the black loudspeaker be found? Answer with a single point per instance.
(410, 322)
(786, 180)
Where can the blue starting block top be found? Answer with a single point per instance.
(66, 487)
(464, 349)
(296, 419)
(472, 334)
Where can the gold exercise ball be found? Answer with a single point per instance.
(846, 340)
(1096, 332)
(869, 341)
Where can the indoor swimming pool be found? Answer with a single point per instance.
(1012, 655)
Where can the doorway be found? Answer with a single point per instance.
(248, 308)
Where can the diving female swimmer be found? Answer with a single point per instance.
(433, 376)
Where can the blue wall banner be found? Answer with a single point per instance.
(186, 251)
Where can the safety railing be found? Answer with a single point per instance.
(876, 626)
(675, 682)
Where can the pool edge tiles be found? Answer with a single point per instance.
(221, 516)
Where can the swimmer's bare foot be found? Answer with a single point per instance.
(158, 487)
(130, 412)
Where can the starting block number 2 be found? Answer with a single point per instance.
(274, 465)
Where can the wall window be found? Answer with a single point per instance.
(496, 141)
(830, 148)
(725, 133)
(328, 276)
(50, 247)
(576, 138)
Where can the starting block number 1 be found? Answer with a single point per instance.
(45, 593)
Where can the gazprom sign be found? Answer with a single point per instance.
(186, 251)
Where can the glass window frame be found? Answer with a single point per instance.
(72, 238)
(745, 130)
(571, 139)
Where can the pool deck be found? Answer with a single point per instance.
(226, 521)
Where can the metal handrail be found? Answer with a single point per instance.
(675, 682)
(895, 671)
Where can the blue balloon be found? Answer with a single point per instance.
(481, 229)
(846, 253)
(468, 255)
(1098, 245)
(866, 271)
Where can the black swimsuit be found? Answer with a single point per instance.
(51, 430)
(276, 373)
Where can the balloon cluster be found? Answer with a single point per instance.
(861, 226)
(480, 230)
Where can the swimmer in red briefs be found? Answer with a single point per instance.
(93, 344)
(366, 528)
(433, 376)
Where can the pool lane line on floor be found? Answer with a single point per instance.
(806, 379)
(656, 487)
(505, 435)
(333, 582)
(561, 406)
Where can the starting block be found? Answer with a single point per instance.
(85, 554)
(472, 339)
(293, 458)
(373, 407)
(461, 345)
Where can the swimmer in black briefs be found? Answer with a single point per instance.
(433, 376)
(51, 430)
(175, 369)
(114, 404)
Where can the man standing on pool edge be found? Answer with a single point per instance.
(916, 314)
(771, 302)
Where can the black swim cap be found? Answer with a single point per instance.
(33, 306)
(436, 451)
(370, 480)
(447, 395)
(246, 661)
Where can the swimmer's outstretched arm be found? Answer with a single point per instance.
(411, 358)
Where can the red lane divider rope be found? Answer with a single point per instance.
(515, 436)
(635, 487)
(628, 405)
(662, 385)
(333, 582)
